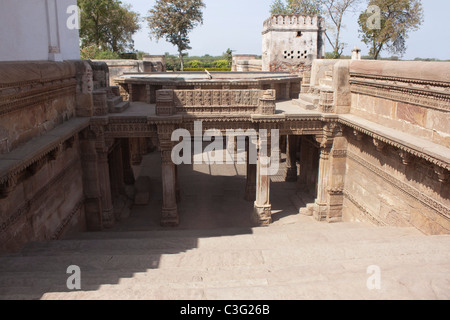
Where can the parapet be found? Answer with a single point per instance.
(297, 22)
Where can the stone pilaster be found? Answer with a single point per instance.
(169, 217)
(320, 209)
(262, 206)
(105, 190)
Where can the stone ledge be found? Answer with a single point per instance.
(435, 153)
(34, 150)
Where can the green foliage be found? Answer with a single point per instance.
(94, 53)
(128, 55)
(332, 55)
(194, 64)
(299, 7)
(107, 24)
(140, 55)
(173, 20)
(221, 64)
(209, 69)
(107, 55)
(398, 18)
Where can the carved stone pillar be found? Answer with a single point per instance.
(169, 217)
(250, 187)
(320, 210)
(136, 150)
(116, 170)
(105, 189)
(291, 158)
(326, 184)
(335, 187)
(262, 206)
(177, 185)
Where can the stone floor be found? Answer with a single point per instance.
(216, 254)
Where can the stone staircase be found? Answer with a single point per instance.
(319, 96)
(115, 101)
(303, 259)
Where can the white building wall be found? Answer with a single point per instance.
(37, 30)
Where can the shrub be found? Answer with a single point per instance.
(194, 64)
(220, 64)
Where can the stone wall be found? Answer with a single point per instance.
(34, 98)
(148, 65)
(398, 156)
(41, 191)
(409, 96)
(291, 42)
(382, 189)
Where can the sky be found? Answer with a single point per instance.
(237, 24)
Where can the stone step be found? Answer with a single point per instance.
(308, 97)
(304, 104)
(120, 107)
(343, 286)
(329, 74)
(177, 245)
(298, 252)
(248, 276)
(326, 82)
(113, 101)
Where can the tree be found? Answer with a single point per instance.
(107, 24)
(335, 11)
(299, 7)
(174, 20)
(229, 57)
(396, 19)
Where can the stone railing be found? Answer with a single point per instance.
(251, 101)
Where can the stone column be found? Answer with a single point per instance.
(250, 187)
(177, 185)
(128, 175)
(91, 186)
(169, 217)
(335, 189)
(105, 190)
(262, 206)
(320, 208)
(116, 170)
(291, 158)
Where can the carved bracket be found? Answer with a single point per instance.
(8, 186)
(442, 174)
(359, 136)
(380, 145)
(406, 157)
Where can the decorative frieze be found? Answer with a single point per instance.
(25, 207)
(405, 188)
(429, 94)
(396, 145)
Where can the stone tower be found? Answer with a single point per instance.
(291, 42)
